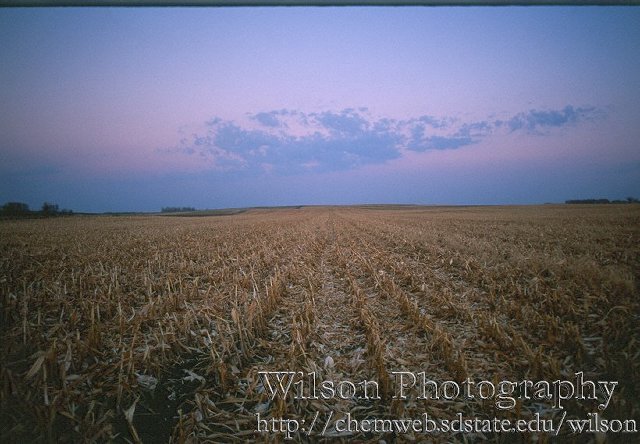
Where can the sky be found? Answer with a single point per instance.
(134, 109)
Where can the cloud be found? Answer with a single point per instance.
(293, 141)
(268, 119)
(421, 140)
(435, 122)
(420, 143)
(346, 123)
(446, 143)
(533, 121)
(326, 141)
(213, 121)
(475, 129)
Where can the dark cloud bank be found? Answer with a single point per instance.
(291, 141)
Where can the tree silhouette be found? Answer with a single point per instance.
(15, 209)
(49, 209)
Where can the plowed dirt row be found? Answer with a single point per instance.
(460, 310)
(537, 320)
(529, 337)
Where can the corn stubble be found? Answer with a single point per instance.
(154, 329)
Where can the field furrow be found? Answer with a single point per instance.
(409, 348)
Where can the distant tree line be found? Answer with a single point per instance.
(602, 201)
(21, 209)
(177, 209)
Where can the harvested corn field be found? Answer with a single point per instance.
(323, 324)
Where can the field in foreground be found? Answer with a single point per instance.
(157, 328)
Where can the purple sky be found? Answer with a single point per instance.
(107, 109)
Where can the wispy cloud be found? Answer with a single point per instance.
(270, 118)
(535, 121)
(293, 141)
(444, 134)
(346, 123)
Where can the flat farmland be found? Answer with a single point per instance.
(323, 324)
